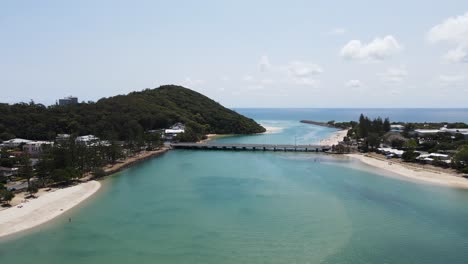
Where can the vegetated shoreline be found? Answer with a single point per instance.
(414, 172)
(52, 204)
(317, 123)
(26, 214)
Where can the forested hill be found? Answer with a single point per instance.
(125, 117)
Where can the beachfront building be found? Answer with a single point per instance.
(453, 131)
(397, 128)
(87, 140)
(173, 131)
(391, 152)
(431, 157)
(35, 148)
(16, 142)
(70, 100)
(8, 172)
(62, 137)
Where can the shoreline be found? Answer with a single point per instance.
(30, 213)
(414, 172)
(47, 206)
(335, 138)
(131, 161)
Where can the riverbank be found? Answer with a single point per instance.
(142, 156)
(415, 172)
(334, 138)
(45, 207)
(28, 213)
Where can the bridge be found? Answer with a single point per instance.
(251, 147)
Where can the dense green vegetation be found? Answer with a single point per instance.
(369, 131)
(370, 134)
(125, 117)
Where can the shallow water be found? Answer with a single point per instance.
(254, 207)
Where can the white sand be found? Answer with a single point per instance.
(335, 138)
(414, 172)
(271, 130)
(46, 207)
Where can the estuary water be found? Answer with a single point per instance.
(254, 207)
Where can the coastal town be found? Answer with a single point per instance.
(24, 162)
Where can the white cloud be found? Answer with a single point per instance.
(337, 31)
(267, 81)
(353, 84)
(453, 30)
(451, 80)
(248, 78)
(300, 69)
(304, 73)
(189, 82)
(264, 64)
(224, 78)
(394, 75)
(376, 50)
(306, 81)
(460, 54)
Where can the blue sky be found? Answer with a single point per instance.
(240, 53)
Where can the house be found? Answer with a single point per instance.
(34, 149)
(16, 142)
(397, 128)
(453, 131)
(430, 157)
(86, 140)
(176, 129)
(424, 132)
(62, 137)
(70, 100)
(390, 152)
(8, 172)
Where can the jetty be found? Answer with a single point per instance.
(251, 147)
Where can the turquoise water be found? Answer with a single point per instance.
(254, 207)
(347, 114)
(283, 132)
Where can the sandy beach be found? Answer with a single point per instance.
(335, 138)
(44, 208)
(271, 130)
(415, 172)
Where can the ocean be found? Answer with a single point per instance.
(192, 206)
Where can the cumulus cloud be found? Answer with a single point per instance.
(264, 64)
(394, 75)
(353, 84)
(459, 54)
(303, 69)
(451, 80)
(377, 50)
(454, 30)
(189, 82)
(303, 73)
(248, 78)
(337, 31)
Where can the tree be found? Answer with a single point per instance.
(411, 144)
(33, 189)
(26, 170)
(386, 125)
(409, 155)
(6, 196)
(373, 140)
(460, 159)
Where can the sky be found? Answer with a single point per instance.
(240, 53)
